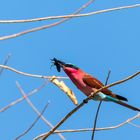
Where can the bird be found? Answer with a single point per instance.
(89, 84)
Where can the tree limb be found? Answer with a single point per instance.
(70, 16)
(128, 121)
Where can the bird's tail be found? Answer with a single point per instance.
(118, 101)
(127, 105)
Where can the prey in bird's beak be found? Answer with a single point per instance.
(59, 64)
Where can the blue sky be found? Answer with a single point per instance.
(108, 41)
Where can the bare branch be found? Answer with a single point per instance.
(22, 98)
(36, 110)
(30, 75)
(85, 101)
(91, 129)
(107, 78)
(135, 125)
(45, 26)
(33, 124)
(5, 62)
(70, 16)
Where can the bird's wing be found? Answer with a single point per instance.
(95, 83)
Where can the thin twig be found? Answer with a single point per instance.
(45, 26)
(95, 120)
(30, 75)
(36, 90)
(36, 110)
(5, 62)
(70, 16)
(107, 79)
(138, 126)
(98, 109)
(86, 100)
(91, 129)
(33, 124)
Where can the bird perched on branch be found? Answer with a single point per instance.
(89, 84)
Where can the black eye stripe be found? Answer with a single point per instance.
(72, 66)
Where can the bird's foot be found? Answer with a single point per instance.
(85, 101)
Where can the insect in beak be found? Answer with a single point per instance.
(59, 64)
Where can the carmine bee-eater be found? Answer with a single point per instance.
(89, 84)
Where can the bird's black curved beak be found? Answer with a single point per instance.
(59, 64)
